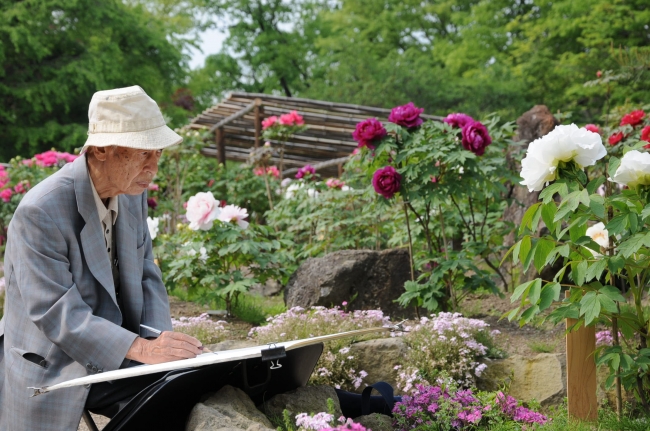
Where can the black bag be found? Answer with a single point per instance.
(355, 405)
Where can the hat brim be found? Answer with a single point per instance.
(151, 139)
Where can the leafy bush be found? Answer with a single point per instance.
(446, 344)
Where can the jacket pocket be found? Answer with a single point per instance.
(31, 357)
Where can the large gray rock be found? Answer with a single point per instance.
(308, 399)
(541, 378)
(376, 422)
(228, 409)
(375, 277)
(378, 358)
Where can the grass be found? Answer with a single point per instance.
(542, 347)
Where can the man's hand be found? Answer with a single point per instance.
(169, 346)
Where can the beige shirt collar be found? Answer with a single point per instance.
(103, 210)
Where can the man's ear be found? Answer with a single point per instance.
(99, 153)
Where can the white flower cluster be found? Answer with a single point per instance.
(562, 144)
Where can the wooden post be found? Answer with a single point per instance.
(581, 372)
(221, 146)
(340, 169)
(259, 111)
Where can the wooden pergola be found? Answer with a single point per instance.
(327, 143)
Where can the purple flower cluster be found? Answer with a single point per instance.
(604, 338)
(458, 409)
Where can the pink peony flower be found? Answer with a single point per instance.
(633, 118)
(291, 119)
(458, 120)
(268, 122)
(273, 171)
(234, 214)
(202, 211)
(599, 74)
(406, 115)
(355, 151)
(307, 169)
(153, 187)
(334, 183)
(22, 187)
(368, 132)
(476, 138)
(259, 171)
(386, 181)
(592, 128)
(6, 194)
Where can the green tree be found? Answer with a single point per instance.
(56, 53)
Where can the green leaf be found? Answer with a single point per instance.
(615, 264)
(520, 290)
(607, 304)
(547, 194)
(594, 184)
(633, 220)
(548, 214)
(596, 270)
(524, 250)
(528, 217)
(612, 292)
(535, 291)
(529, 257)
(630, 246)
(550, 293)
(617, 224)
(515, 252)
(568, 206)
(597, 205)
(646, 212)
(614, 163)
(579, 271)
(542, 250)
(577, 231)
(590, 307)
(528, 315)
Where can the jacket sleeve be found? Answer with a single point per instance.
(52, 300)
(155, 312)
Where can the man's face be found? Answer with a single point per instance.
(129, 171)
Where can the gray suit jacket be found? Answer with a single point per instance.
(60, 298)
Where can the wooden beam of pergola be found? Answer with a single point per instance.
(236, 123)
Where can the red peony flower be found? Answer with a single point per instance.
(645, 135)
(406, 115)
(386, 181)
(615, 138)
(592, 128)
(476, 138)
(633, 118)
(368, 132)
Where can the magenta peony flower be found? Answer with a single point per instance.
(22, 187)
(151, 203)
(386, 181)
(406, 115)
(369, 131)
(458, 120)
(476, 138)
(307, 169)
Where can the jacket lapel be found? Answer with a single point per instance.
(130, 273)
(92, 239)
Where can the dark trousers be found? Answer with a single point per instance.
(108, 398)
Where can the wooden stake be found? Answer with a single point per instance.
(581, 372)
(221, 146)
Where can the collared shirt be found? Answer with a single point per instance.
(107, 216)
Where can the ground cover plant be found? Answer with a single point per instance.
(203, 328)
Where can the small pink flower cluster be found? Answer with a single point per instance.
(290, 119)
(334, 183)
(271, 170)
(511, 408)
(4, 176)
(604, 338)
(325, 422)
(50, 158)
(202, 328)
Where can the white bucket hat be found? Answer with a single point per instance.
(127, 117)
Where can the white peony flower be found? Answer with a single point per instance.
(562, 144)
(292, 189)
(203, 254)
(634, 170)
(152, 224)
(202, 210)
(600, 236)
(234, 214)
(312, 193)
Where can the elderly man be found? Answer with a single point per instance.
(80, 275)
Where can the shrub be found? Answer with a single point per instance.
(202, 328)
(336, 367)
(446, 344)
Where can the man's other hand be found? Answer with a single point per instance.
(169, 346)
